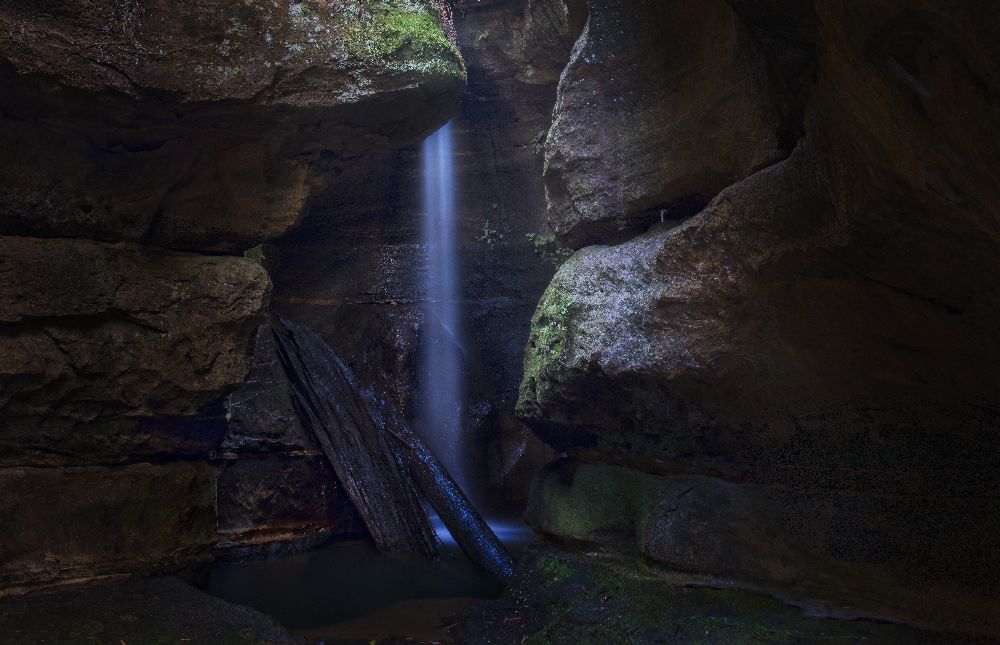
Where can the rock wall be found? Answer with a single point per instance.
(276, 489)
(353, 271)
(669, 142)
(144, 146)
(794, 386)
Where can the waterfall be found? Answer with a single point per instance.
(441, 344)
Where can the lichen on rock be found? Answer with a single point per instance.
(237, 50)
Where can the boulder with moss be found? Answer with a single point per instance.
(183, 125)
(825, 326)
(663, 104)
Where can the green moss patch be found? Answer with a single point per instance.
(383, 31)
(551, 333)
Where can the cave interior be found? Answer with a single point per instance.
(493, 322)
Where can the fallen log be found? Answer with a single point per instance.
(471, 532)
(375, 454)
(368, 462)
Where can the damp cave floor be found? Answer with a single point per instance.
(169, 611)
(556, 598)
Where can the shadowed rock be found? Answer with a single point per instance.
(130, 132)
(663, 104)
(86, 523)
(824, 328)
(366, 459)
(154, 612)
(378, 458)
(195, 126)
(104, 342)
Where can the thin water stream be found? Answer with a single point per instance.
(441, 374)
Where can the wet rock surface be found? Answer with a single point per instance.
(776, 372)
(354, 269)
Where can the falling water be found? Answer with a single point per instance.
(441, 345)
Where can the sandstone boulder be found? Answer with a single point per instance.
(663, 104)
(193, 126)
(824, 325)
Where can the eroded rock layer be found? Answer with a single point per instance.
(124, 338)
(815, 348)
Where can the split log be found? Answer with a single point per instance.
(470, 531)
(375, 453)
(367, 460)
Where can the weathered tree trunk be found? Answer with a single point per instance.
(472, 534)
(368, 461)
(377, 457)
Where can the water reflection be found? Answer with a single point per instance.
(350, 580)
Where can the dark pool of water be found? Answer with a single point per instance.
(345, 582)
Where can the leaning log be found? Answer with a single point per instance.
(367, 460)
(377, 457)
(470, 531)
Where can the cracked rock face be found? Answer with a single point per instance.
(825, 324)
